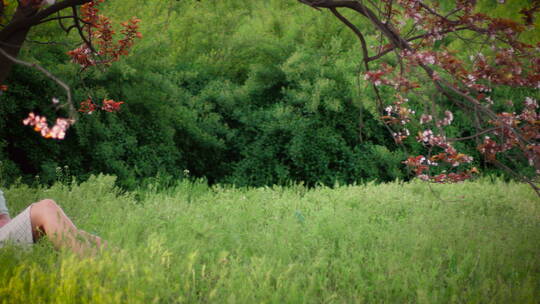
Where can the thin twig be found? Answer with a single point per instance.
(79, 29)
(55, 18)
(474, 135)
(60, 23)
(48, 42)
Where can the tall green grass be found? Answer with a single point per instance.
(475, 242)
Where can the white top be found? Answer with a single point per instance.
(3, 207)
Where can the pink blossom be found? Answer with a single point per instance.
(447, 120)
(531, 103)
(58, 131)
(425, 118)
(425, 136)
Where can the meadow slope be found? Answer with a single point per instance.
(475, 242)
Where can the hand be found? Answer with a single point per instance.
(4, 219)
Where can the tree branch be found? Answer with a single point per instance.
(72, 112)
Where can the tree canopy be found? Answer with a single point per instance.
(251, 93)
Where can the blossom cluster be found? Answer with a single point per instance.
(398, 115)
(419, 57)
(509, 62)
(82, 56)
(521, 131)
(377, 77)
(420, 165)
(57, 131)
(447, 120)
(384, 76)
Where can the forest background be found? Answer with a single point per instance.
(244, 92)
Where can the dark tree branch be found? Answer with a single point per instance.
(308, 3)
(48, 42)
(73, 26)
(55, 18)
(35, 42)
(452, 12)
(394, 38)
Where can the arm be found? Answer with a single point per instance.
(4, 214)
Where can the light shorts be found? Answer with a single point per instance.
(18, 230)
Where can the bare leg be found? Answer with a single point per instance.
(49, 219)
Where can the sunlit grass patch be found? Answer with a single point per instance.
(399, 242)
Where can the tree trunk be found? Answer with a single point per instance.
(12, 42)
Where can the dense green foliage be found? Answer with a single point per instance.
(250, 93)
(476, 242)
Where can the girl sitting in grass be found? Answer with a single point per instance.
(45, 218)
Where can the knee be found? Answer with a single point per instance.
(44, 208)
(46, 205)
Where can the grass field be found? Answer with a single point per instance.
(476, 242)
